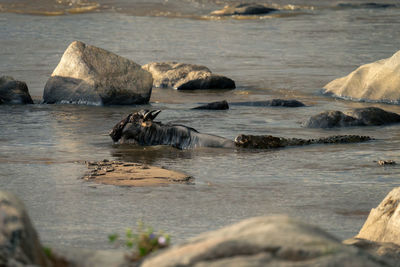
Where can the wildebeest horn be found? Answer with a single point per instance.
(151, 115)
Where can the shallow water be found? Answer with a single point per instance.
(294, 56)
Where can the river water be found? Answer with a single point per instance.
(290, 55)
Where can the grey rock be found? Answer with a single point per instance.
(290, 103)
(219, 105)
(370, 116)
(90, 75)
(371, 5)
(183, 76)
(13, 91)
(244, 9)
(264, 241)
(19, 242)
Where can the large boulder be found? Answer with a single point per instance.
(370, 116)
(183, 76)
(19, 242)
(244, 9)
(264, 241)
(90, 75)
(13, 91)
(383, 222)
(377, 81)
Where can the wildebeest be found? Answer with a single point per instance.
(140, 128)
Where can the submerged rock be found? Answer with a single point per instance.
(244, 9)
(264, 241)
(290, 103)
(377, 81)
(270, 142)
(370, 116)
(132, 174)
(366, 5)
(382, 224)
(90, 75)
(219, 105)
(19, 242)
(183, 76)
(13, 91)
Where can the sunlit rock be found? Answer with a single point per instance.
(183, 76)
(383, 222)
(90, 75)
(377, 81)
(14, 92)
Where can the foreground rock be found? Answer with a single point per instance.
(290, 103)
(90, 75)
(387, 250)
(370, 116)
(243, 9)
(219, 105)
(383, 222)
(14, 92)
(264, 241)
(271, 142)
(19, 242)
(132, 174)
(377, 81)
(183, 76)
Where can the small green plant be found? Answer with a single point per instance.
(48, 252)
(144, 242)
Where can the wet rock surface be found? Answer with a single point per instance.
(183, 76)
(244, 9)
(270, 142)
(132, 174)
(90, 75)
(264, 241)
(13, 91)
(377, 81)
(19, 242)
(219, 105)
(370, 116)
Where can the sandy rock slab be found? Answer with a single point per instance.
(132, 174)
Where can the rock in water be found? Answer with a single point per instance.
(14, 92)
(90, 75)
(183, 76)
(264, 241)
(276, 102)
(244, 9)
(383, 222)
(377, 81)
(370, 116)
(19, 242)
(219, 105)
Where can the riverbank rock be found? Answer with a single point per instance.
(19, 242)
(243, 9)
(377, 81)
(271, 142)
(264, 241)
(183, 76)
(289, 103)
(90, 75)
(370, 116)
(13, 91)
(132, 174)
(383, 222)
(219, 105)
